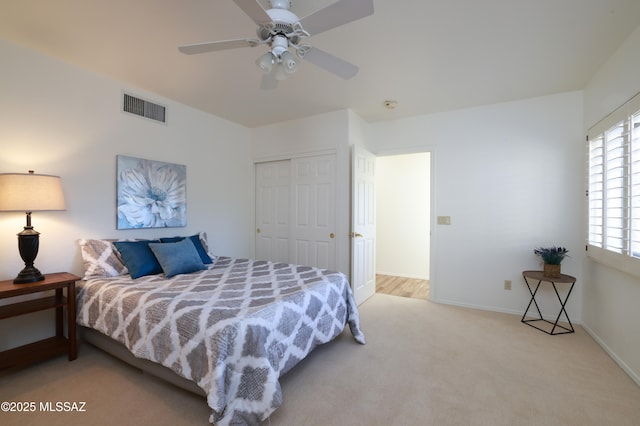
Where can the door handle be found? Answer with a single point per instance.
(355, 235)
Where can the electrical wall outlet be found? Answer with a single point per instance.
(507, 284)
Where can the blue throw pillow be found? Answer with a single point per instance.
(178, 258)
(138, 257)
(195, 239)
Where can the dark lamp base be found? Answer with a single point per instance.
(29, 274)
(28, 242)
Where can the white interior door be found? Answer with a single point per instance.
(272, 210)
(313, 184)
(363, 223)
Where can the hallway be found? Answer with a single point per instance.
(403, 287)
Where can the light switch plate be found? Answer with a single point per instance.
(444, 220)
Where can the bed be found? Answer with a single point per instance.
(228, 329)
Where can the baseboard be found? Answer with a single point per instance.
(516, 312)
(634, 376)
(393, 274)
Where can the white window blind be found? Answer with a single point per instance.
(596, 191)
(614, 188)
(635, 183)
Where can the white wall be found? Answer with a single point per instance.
(611, 313)
(510, 177)
(58, 119)
(403, 223)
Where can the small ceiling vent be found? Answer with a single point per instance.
(144, 108)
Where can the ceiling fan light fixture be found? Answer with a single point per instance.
(266, 62)
(288, 62)
(279, 45)
(281, 29)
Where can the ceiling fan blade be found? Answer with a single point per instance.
(253, 9)
(336, 14)
(268, 82)
(330, 63)
(214, 46)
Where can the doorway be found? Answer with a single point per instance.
(403, 224)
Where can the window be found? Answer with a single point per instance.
(614, 188)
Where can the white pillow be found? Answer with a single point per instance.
(101, 259)
(205, 245)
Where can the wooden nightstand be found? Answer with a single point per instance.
(52, 346)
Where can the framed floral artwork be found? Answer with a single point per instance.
(151, 194)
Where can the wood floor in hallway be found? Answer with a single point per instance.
(404, 287)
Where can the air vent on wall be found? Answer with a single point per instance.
(144, 108)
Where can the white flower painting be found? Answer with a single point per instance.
(151, 194)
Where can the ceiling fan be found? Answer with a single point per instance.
(281, 29)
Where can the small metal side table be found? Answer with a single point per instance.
(540, 277)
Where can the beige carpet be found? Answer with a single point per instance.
(424, 364)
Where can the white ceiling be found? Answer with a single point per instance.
(429, 56)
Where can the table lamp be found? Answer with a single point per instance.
(29, 192)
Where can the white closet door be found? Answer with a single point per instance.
(272, 210)
(313, 221)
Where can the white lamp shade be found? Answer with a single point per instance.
(28, 192)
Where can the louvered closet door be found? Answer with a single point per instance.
(273, 182)
(313, 220)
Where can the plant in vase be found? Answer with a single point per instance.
(551, 257)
